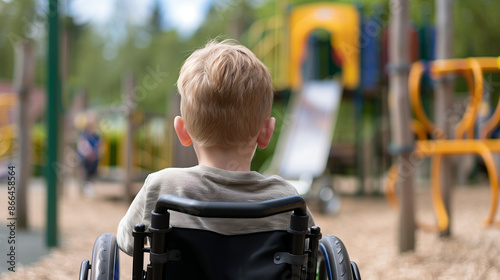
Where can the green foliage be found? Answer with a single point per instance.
(477, 31)
(18, 22)
(99, 67)
(97, 63)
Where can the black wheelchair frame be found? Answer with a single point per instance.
(308, 253)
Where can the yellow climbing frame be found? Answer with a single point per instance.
(340, 20)
(472, 69)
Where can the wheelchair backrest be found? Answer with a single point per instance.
(180, 253)
(209, 255)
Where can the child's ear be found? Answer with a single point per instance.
(266, 131)
(181, 131)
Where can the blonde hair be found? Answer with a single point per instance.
(226, 94)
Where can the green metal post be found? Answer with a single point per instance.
(52, 122)
(358, 118)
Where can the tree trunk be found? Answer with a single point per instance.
(128, 91)
(399, 108)
(23, 82)
(443, 96)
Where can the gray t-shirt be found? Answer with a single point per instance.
(206, 184)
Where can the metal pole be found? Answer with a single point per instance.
(443, 96)
(399, 108)
(52, 122)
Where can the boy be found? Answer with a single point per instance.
(226, 101)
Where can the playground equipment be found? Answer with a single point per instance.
(293, 42)
(340, 20)
(7, 127)
(464, 141)
(152, 140)
(305, 141)
(151, 147)
(180, 253)
(304, 145)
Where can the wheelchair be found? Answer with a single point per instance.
(299, 252)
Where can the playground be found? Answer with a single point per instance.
(387, 126)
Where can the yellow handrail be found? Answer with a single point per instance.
(414, 83)
(472, 69)
(437, 199)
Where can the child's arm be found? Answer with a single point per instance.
(134, 215)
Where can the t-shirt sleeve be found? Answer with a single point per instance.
(134, 215)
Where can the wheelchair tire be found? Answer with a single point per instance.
(336, 259)
(105, 260)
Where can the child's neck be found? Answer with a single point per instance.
(227, 158)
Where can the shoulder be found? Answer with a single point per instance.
(278, 186)
(165, 181)
(165, 173)
(170, 173)
(279, 180)
(171, 179)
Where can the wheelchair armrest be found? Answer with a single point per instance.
(214, 209)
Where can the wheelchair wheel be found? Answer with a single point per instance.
(105, 260)
(333, 260)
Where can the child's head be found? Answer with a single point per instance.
(226, 94)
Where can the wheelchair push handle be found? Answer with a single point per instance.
(212, 209)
